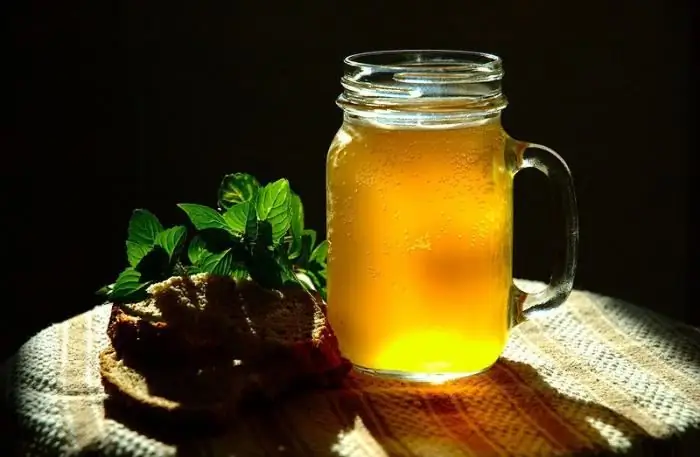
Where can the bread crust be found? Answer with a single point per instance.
(127, 396)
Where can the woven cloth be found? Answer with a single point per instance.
(595, 374)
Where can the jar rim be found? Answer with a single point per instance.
(480, 66)
(423, 86)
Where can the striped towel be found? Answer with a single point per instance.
(596, 374)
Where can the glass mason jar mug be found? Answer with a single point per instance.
(420, 216)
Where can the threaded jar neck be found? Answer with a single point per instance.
(422, 87)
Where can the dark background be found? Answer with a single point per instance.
(117, 105)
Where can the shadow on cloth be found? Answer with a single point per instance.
(509, 410)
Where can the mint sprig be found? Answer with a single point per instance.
(256, 232)
(152, 252)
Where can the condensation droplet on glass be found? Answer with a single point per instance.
(372, 271)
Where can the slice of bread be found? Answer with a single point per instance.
(201, 347)
(166, 395)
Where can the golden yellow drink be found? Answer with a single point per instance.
(420, 232)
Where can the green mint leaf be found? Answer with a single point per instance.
(239, 271)
(172, 239)
(178, 268)
(263, 239)
(203, 217)
(320, 254)
(143, 227)
(196, 250)
(273, 202)
(105, 291)
(288, 276)
(251, 223)
(320, 285)
(220, 264)
(270, 268)
(265, 270)
(319, 271)
(136, 251)
(296, 226)
(308, 240)
(155, 265)
(237, 216)
(265, 264)
(236, 188)
(209, 242)
(316, 268)
(317, 277)
(305, 280)
(219, 240)
(311, 234)
(128, 286)
(127, 281)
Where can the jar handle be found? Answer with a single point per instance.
(544, 159)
